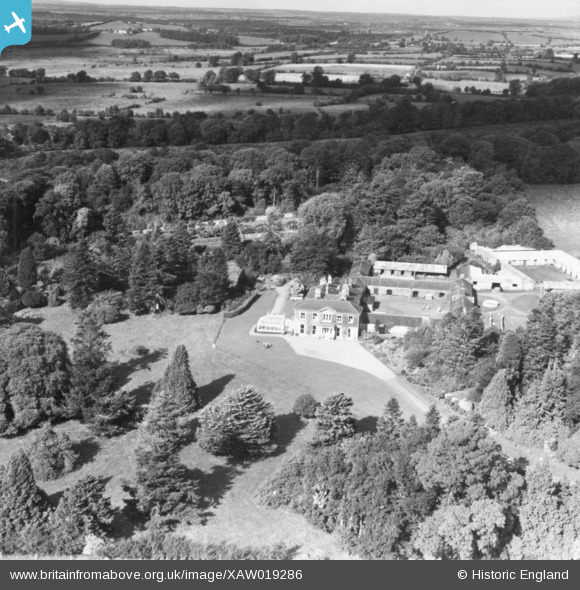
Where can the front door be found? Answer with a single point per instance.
(328, 333)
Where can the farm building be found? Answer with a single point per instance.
(409, 270)
(525, 269)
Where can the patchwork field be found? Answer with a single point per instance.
(558, 211)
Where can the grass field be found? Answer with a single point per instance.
(558, 212)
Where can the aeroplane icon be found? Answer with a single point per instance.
(18, 22)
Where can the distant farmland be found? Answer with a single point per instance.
(558, 209)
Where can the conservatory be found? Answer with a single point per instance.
(271, 324)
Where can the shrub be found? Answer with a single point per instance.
(305, 406)
(107, 307)
(33, 298)
(52, 454)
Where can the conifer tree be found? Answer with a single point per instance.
(391, 422)
(179, 383)
(433, 420)
(34, 377)
(51, 454)
(94, 389)
(539, 414)
(509, 355)
(212, 281)
(27, 274)
(177, 254)
(164, 419)
(22, 503)
(115, 226)
(334, 420)
(80, 275)
(83, 509)
(243, 424)
(146, 288)
(231, 239)
(163, 485)
(497, 400)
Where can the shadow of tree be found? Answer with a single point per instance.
(289, 425)
(213, 486)
(367, 424)
(143, 393)
(28, 320)
(207, 393)
(86, 450)
(123, 371)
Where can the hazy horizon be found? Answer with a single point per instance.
(516, 9)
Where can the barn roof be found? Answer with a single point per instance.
(412, 267)
(397, 283)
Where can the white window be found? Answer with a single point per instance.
(339, 319)
(302, 315)
(314, 329)
(327, 317)
(351, 319)
(314, 316)
(301, 328)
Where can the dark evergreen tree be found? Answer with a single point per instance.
(540, 343)
(94, 388)
(509, 355)
(83, 510)
(27, 274)
(242, 424)
(34, 377)
(165, 420)
(212, 281)
(174, 250)
(231, 239)
(334, 420)
(179, 383)
(80, 275)
(115, 226)
(52, 454)
(163, 484)
(497, 401)
(22, 503)
(391, 422)
(539, 414)
(146, 289)
(433, 420)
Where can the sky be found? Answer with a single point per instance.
(523, 9)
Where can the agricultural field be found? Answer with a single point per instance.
(471, 37)
(558, 212)
(450, 85)
(169, 96)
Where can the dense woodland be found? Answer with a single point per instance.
(106, 229)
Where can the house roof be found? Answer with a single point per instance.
(361, 267)
(412, 266)
(320, 304)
